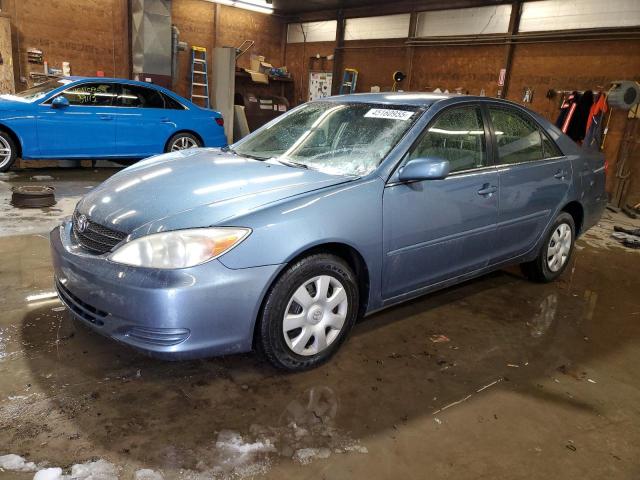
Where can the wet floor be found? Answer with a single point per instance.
(495, 378)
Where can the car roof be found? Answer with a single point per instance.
(414, 99)
(76, 78)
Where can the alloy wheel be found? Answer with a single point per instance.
(559, 247)
(5, 152)
(182, 143)
(315, 315)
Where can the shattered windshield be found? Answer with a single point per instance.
(335, 138)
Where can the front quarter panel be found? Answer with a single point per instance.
(22, 122)
(350, 213)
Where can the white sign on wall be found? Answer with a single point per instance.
(319, 85)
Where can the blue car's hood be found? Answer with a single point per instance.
(153, 192)
(9, 102)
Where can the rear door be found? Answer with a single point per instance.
(435, 230)
(535, 178)
(86, 128)
(143, 123)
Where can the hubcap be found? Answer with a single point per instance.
(5, 152)
(315, 315)
(559, 247)
(182, 143)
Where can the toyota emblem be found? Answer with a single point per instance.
(82, 223)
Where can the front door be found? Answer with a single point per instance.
(436, 230)
(534, 179)
(85, 128)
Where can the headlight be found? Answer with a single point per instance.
(179, 248)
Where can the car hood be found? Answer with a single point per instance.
(9, 102)
(206, 186)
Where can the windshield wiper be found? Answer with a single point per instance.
(290, 163)
(228, 149)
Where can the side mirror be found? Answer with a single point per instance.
(424, 169)
(60, 102)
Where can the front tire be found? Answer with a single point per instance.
(8, 152)
(555, 252)
(182, 141)
(308, 313)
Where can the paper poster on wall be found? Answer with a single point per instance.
(319, 85)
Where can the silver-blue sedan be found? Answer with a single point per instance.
(333, 211)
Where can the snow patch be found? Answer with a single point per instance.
(305, 456)
(98, 470)
(49, 474)
(146, 474)
(16, 463)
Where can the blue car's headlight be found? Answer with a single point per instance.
(179, 248)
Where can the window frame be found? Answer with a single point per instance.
(166, 96)
(489, 145)
(158, 92)
(527, 116)
(115, 86)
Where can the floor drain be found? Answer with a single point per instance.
(32, 196)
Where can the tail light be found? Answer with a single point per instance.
(220, 121)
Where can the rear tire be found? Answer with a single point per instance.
(182, 141)
(308, 313)
(555, 253)
(8, 151)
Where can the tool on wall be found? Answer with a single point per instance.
(398, 77)
(244, 48)
(199, 75)
(349, 81)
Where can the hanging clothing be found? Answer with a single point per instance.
(578, 125)
(595, 124)
(567, 109)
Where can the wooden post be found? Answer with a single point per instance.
(514, 24)
(338, 54)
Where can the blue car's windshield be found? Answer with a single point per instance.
(35, 93)
(335, 138)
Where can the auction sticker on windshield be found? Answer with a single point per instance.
(389, 113)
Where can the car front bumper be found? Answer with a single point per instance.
(176, 314)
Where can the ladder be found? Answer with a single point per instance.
(349, 81)
(199, 76)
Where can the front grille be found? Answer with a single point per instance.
(81, 309)
(96, 238)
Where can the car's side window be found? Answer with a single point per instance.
(172, 104)
(140, 97)
(551, 150)
(519, 139)
(457, 135)
(91, 94)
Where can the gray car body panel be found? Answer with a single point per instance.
(413, 238)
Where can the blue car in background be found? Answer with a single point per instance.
(337, 209)
(101, 118)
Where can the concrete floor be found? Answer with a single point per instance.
(496, 378)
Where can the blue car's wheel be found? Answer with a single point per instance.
(182, 141)
(7, 152)
(555, 253)
(308, 312)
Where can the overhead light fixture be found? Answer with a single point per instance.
(261, 6)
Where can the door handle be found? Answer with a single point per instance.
(487, 189)
(106, 117)
(560, 174)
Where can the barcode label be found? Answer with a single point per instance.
(389, 113)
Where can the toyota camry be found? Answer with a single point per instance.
(335, 210)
